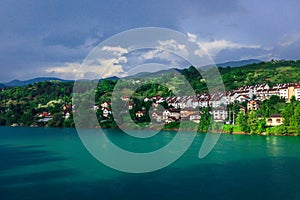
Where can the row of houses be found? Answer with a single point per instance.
(259, 92)
(185, 107)
(264, 91)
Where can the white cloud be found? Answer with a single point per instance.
(265, 56)
(155, 53)
(66, 71)
(116, 51)
(94, 69)
(212, 48)
(165, 50)
(173, 46)
(192, 37)
(216, 46)
(109, 67)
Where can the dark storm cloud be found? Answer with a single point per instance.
(36, 35)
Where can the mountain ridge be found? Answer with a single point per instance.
(20, 83)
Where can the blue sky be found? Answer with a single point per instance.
(45, 38)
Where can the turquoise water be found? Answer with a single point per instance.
(45, 163)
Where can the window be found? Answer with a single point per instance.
(269, 120)
(278, 120)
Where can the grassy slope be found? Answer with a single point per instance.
(269, 72)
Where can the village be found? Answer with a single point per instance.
(187, 107)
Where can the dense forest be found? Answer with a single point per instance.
(28, 105)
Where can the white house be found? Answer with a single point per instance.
(195, 118)
(284, 93)
(253, 105)
(274, 120)
(171, 113)
(219, 114)
(105, 104)
(139, 114)
(242, 98)
(106, 112)
(297, 92)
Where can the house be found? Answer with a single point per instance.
(147, 99)
(217, 99)
(242, 98)
(105, 104)
(274, 120)
(166, 114)
(170, 119)
(106, 112)
(95, 108)
(44, 114)
(67, 107)
(67, 115)
(174, 113)
(139, 114)
(171, 113)
(186, 112)
(154, 105)
(253, 105)
(45, 117)
(219, 114)
(158, 116)
(125, 98)
(195, 118)
(195, 103)
(297, 92)
(159, 99)
(156, 98)
(284, 93)
(203, 103)
(130, 105)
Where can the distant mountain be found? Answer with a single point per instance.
(157, 73)
(238, 63)
(2, 86)
(32, 81)
(141, 74)
(15, 83)
(112, 78)
(233, 63)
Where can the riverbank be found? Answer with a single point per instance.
(158, 127)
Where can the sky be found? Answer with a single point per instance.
(52, 38)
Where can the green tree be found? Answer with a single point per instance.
(295, 121)
(252, 122)
(27, 119)
(56, 121)
(205, 119)
(2, 121)
(261, 126)
(241, 121)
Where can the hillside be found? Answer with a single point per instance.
(15, 83)
(23, 104)
(272, 72)
(238, 63)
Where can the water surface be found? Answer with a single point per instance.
(45, 163)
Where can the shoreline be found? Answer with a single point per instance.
(172, 130)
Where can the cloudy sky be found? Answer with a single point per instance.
(50, 38)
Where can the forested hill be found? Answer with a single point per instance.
(272, 72)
